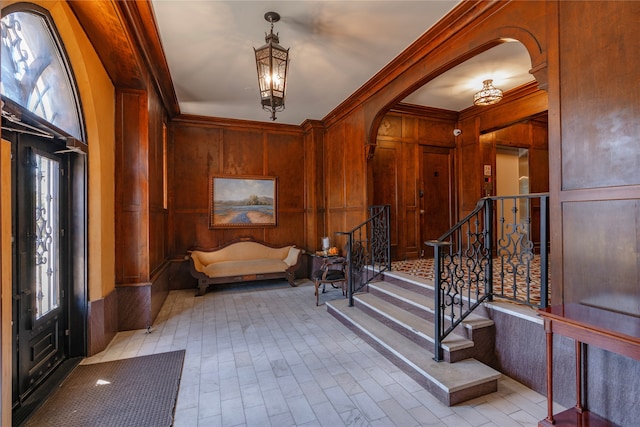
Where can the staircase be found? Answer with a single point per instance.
(396, 317)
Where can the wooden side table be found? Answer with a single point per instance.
(615, 332)
(316, 261)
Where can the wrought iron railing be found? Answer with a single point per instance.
(368, 250)
(481, 258)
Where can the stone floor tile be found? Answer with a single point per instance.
(368, 406)
(271, 357)
(300, 409)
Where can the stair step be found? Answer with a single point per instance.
(424, 303)
(451, 383)
(417, 325)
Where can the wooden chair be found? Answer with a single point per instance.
(333, 271)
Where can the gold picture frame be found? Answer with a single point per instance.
(243, 201)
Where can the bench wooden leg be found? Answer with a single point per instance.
(290, 278)
(201, 290)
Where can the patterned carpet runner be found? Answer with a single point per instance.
(507, 280)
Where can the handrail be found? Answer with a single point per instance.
(368, 250)
(464, 264)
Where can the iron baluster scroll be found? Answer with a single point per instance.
(462, 262)
(368, 250)
(466, 259)
(46, 238)
(516, 249)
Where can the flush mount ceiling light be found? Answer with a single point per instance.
(272, 61)
(488, 95)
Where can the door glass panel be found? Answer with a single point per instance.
(46, 211)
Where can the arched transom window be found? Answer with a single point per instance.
(35, 73)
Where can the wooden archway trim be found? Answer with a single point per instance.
(475, 35)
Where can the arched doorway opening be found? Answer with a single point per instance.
(43, 123)
(432, 159)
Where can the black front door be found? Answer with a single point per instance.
(41, 256)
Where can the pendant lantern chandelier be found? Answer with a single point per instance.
(272, 62)
(488, 95)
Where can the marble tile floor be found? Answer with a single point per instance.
(265, 355)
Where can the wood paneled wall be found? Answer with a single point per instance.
(158, 206)
(132, 188)
(397, 172)
(201, 148)
(522, 104)
(314, 184)
(141, 211)
(345, 176)
(596, 162)
(141, 216)
(404, 132)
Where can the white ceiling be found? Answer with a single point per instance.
(335, 47)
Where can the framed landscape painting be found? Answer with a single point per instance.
(242, 201)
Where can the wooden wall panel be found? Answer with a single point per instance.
(355, 168)
(437, 132)
(514, 135)
(387, 165)
(396, 177)
(132, 188)
(390, 127)
(539, 156)
(334, 166)
(196, 152)
(598, 156)
(158, 215)
(285, 154)
(314, 184)
(188, 229)
(600, 98)
(345, 176)
(290, 230)
(336, 221)
(468, 164)
(202, 148)
(599, 233)
(284, 160)
(513, 120)
(529, 104)
(243, 153)
(411, 201)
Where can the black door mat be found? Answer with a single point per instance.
(139, 391)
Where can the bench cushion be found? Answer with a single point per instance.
(239, 268)
(242, 251)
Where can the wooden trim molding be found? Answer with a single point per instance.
(142, 20)
(238, 124)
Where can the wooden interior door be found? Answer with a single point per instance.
(436, 194)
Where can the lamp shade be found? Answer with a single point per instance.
(272, 62)
(488, 95)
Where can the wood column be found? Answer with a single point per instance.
(132, 210)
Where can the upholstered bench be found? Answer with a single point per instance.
(243, 260)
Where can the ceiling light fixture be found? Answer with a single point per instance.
(272, 61)
(488, 95)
